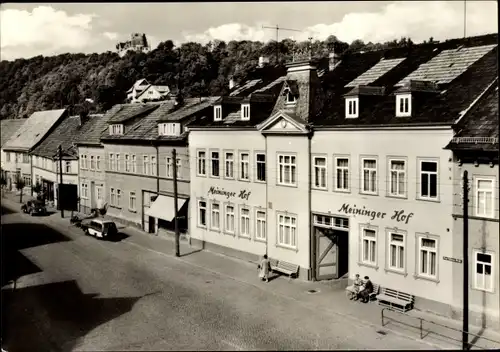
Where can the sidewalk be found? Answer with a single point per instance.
(318, 295)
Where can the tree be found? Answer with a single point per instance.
(3, 181)
(20, 184)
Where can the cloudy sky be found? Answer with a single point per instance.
(28, 30)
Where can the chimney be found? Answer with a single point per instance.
(333, 61)
(231, 83)
(263, 60)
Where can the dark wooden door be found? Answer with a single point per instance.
(326, 254)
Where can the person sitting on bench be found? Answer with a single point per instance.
(355, 288)
(367, 288)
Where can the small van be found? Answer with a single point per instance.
(99, 228)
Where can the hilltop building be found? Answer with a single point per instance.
(138, 42)
(142, 91)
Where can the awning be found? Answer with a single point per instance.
(163, 207)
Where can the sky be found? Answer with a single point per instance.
(28, 30)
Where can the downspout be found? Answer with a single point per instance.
(309, 206)
(31, 168)
(267, 200)
(157, 169)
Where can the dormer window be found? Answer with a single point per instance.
(403, 105)
(290, 98)
(116, 129)
(245, 112)
(217, 113)
(169, 129)
(351, 108)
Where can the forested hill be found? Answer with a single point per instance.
(67, 80)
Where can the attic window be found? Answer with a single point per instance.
(245, 112)
(116, 129)
(403, 105)
(217, 113)
(290, 98)
(169, 129)
(351, 107)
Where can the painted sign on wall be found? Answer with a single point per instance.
(243, 194)
(398, 215)
(454, 260)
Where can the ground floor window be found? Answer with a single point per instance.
(369, 246)
(260, 225)
(27, 180)
(483, 271)
(113, 196)
(229, 218)
(287, 230)
(331, 221)
(215, 217)
(427, 248)
(396, 251)
(245, 222)
(132, 202)
(202, 213)
(85, 191)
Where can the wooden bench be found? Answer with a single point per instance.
(396, 300)
(285, 268)
(376, 287)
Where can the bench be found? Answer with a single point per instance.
(396, 300)
(376, 287)
(284, 267)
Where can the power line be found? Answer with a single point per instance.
(278, 28)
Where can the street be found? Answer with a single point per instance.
(73, 292)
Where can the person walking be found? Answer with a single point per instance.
(264, 269)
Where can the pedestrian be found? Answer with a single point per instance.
(264, 268)
(354, 289)
(364, 294)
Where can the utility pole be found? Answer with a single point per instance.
(278, 28)
(60, 181)
(465, 18)
(465, 328)
(176, 219)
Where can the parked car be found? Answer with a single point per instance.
(99, 228)
(34, 207)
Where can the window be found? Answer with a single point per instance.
(260, 226)
(7, 157)
(98, 162)
(134, 164)
(403, 105)
(244, 159)
(169, 129)
(153, 165)
(92, 162)
(290, 98)
(118, 162)
(261, 167)
(287, 170)
(27, 180)
(428, 179)
(113, 196)
(230, 218)
(145, 165)
(215, 220)
(341, 174)
(118, 198)
(483, 273)
(245, 222)
(287, 231)
(370, 175)
(116, 129)
(484, 197)
(179, 167)
(396, 251)
(67, 167)
(319, 172)
(127, 163)
(397, 178)
(201, 163)
(112, 164)
(245, 112)
(85, 191)
(214, 156)
(99, 193)
(202, 213)
(369, 247)
(132, 201)
(427, 257)
(82, 161)
(229, 165)
(351, 107)
(217, 113)
(26, 158)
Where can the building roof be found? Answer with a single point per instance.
(34, 129)
(478, 129)
(64, 134)
(443, 106)
(126, 112)
(93, 127)
(8, 127)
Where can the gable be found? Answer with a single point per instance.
(282, 122)
(283, 125)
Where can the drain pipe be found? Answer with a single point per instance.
(267, 199)
(312, 275)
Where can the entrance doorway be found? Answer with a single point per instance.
(330, 242)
